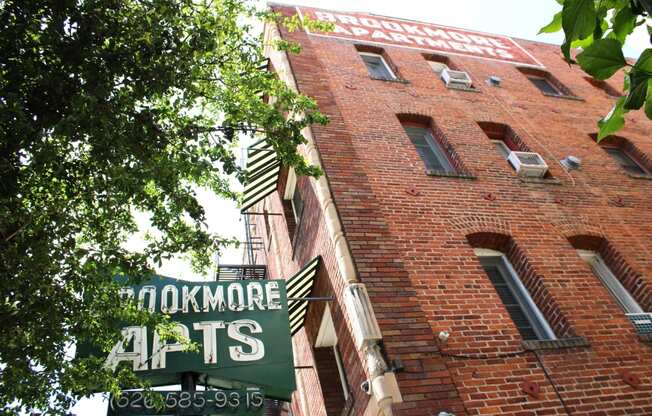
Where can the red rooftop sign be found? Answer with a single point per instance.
(425, 36)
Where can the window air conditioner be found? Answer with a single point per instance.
(456, 78)
(642, 322)
(528, 164)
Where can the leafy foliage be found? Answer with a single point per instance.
(601, 27)
(107, 108)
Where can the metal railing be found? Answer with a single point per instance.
(241, 272)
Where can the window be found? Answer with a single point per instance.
(625, 160)
(377, 66)
(545, 86)
(297, 206)
(610, 281)
(519, 304)
(433, 156)
(502, 148)
(437, 67)
(545, 82)
(330, 369)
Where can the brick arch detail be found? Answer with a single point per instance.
(526, 272)
(472, 224)
(582, 225)
(632, 280)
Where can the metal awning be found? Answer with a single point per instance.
(263, 168)
(299, 288)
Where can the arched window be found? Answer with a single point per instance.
(527, 317)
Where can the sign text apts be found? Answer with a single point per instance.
(241, 327)
(389, 31)
(199, 298)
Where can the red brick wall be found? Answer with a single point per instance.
(414, 251)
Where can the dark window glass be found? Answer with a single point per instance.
(625, 161)
(523, 315)
(431, 153)
(297, 205)
(376, 66)
(544, 86)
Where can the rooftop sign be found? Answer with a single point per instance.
(381, 30)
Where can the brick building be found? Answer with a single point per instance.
(541, 275)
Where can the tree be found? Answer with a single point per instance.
(600, 28)
(108, 107)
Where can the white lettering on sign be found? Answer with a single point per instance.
(188, 296)
(214, 301)
(137, 337)
(237, 353)
(210, 338)
(169, 299)
(161, 347)
(247, 347)
(374, 29)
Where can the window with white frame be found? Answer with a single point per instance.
(525, 314)
(377, 66)
(429, 149)
(610, 281)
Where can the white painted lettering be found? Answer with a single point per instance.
(214, 301)
(459, 37)
(457, 46)
(255, 296)
(160, 348)
(137, 335)
(399, 37)
(147, 290)
(372, 23)
(504, 54)
(391, 26)
(347, 20)
(441, 44)
(272, 295)
(257, 347)
(414, 29)
(189, 297)
(358, 31)
(498, 43)
(380, 35)
(167, 305)
(340, 29)
(436, 33)
(488, 50)
(479, 40)
(235, 297)
(418, 39)
(209, 329)
(326, 17)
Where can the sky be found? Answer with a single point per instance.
(516, 18)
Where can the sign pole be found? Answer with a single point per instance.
(188, 381)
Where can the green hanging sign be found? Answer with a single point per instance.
(241, 326)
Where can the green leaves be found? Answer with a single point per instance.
(613, 121)
(112, 111)
(578, 22)
(553, 26)
(600, 28)
(602, 58)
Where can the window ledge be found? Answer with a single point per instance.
(556, 344)
(396, 80)
(565, 97)
(547, 181)
(461, 175)
(639, 176)
(458, 88)
(647, 338)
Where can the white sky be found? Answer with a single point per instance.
(517, 18)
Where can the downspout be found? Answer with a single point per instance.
(382, 381)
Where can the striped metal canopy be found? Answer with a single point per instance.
(263, 168)
(300, 286)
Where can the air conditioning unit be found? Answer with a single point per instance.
(456, 78)
(528, 164)
(642, 322)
